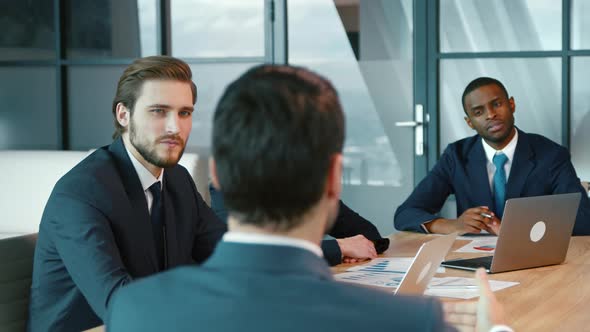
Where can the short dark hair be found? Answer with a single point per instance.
(478, 83)
(275, 132)
(145, 69)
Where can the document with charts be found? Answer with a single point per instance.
(388, 265)
(389, 272)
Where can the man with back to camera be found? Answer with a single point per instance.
(277, 159)
(126, 211)
(483, 171)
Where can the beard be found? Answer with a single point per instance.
(149, 152)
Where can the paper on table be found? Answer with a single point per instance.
(388, 265)
(454, 287)
(484, 244)
(462, 288)
(388, 280)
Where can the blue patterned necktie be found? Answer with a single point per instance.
(157, 219)
(499, 183)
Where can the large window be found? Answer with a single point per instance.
(580, 121)
(500, 25)
(57, 89)
(28, 30)
(535, 84)
(213, 29)
(537, 48)
(366, 49)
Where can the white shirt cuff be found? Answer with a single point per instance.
(424, 227)
(501, 328)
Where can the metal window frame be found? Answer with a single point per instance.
(435, 55)
(427, 57)
(274, 34)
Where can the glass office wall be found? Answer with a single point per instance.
(499, 25)
(535, 84)
(28, 30)
(580, 90)
(28, 116)
(539, 51)
(365, 48)
(214, 28)
(485, 38)
(580, 125)
(109, 29)
(91, 90)
(580, 24)
(211, 80)
(65, 83)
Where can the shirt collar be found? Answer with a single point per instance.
(145, 177)
(276, 240)
(508, 150)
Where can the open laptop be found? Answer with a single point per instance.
(424, 265)
(535, 231)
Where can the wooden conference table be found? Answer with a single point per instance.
(551, 298)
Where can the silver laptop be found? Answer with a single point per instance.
(535, 231)
(424, 265)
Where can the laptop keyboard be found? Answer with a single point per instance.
(474, 263)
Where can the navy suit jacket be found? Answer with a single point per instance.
(348, 223)
(251, 287)
(539, 167)
(95, 236)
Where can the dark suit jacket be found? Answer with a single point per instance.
(95, 236)
(348, 223)
(539, 167)
(251, 287)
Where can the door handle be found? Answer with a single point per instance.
(407, 124)
(418, 125)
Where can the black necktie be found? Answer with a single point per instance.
(157, 218)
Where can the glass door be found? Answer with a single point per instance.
(366, 48)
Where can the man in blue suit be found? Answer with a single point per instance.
(277, 146)
(126, 211)
(483, 171)
(357, 239)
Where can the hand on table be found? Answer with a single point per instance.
(476, 316)
(356, 249)
(473, 220)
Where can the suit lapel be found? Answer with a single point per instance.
(137, 227)
(171, 240)
(478, 175)
(522, 165)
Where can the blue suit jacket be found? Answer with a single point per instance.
(348, 223)
(539, 167)
(250, 287)
(95, 236)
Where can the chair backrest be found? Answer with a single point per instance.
(28, 177)
(16, 269)
(199, 170)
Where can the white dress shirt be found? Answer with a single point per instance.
(146, 178)
(490, 152)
